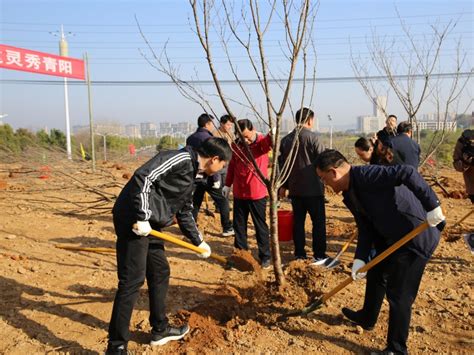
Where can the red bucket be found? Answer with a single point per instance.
(285, 226)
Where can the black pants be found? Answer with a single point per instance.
(221, 202)
(138, 258)
(257, 209)
(313, 205)
(397, 277)
(471, 197)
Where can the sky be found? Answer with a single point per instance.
(107, 30)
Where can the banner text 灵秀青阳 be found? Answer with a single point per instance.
(42, 63)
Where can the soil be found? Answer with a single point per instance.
(60, 301)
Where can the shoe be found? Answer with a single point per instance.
(116, 350)
(266, 264)
(170, 333)
(319, 261)
(356, 318)
(228, 233)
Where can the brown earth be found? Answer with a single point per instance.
(58, 301)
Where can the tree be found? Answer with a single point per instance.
(403, 65)
(166, 143)
(247, 25)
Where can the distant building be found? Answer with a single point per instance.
(133, 131)
(430, 125)
(148, 129)
(370, 124)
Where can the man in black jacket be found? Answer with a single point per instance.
(213, 184)
(404, 147)
(387, 203)
(159, 190)
(305, 188)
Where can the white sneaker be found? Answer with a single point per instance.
(319, 261)
(228, 233)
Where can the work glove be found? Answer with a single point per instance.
(142, 228)
(205, 246)
(216, 185)
(273, 131)
(434, 217)
(356, 265)
(226, 191)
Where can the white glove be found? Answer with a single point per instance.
(434, 217)
(142, 229)
(216, 185)
(205, 246)
(356, 265)
(226, 191)
(273, 131)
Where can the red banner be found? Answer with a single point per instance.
(41, 63)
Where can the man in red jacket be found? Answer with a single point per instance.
(250, 193)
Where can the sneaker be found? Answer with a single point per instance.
(170, 333)
(356, 317)
(319, 261)
(116, 350)
(228, 233)
(266, 264)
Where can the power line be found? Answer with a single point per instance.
(316, 38)
(181, 25)
(243, 32)
(229, 81)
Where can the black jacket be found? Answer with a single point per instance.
(160, 189)
(195, 141)
(303, 180)
(387, 203)
(407, 150)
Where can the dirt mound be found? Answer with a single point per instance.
(204, 334)
(242, 260)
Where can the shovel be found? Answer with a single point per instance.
(334, 262)
(314, 305)
(207, 211)
(190, 246)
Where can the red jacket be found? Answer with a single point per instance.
(241, 173)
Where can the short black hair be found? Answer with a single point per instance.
(215, 146)
(303, 115)
(404, 127)
(204, 119)
(245, 124)
(226, 118)
(330, 158)
(390, 116)
(363, 144)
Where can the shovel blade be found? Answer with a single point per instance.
(311, 307)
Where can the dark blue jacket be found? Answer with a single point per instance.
(387, 203)
(195, 141)
(406, 149)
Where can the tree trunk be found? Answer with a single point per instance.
(279, 276)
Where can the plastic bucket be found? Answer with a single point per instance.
(285, 226)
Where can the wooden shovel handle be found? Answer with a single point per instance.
(95, 250)
(377, 259)
(186, 245)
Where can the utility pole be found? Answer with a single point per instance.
(330, 131)
(104, 136)
(91, 121)
(63, 52)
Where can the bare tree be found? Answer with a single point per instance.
(407, 68)
(215, 24)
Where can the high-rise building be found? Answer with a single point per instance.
(370, 124)
(148, 129)
(379, 106)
